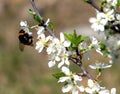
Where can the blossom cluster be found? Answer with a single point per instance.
(59, 53)
(107, 21)
(73, 84)
(71, 48)
(107, 16)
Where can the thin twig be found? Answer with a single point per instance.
(78, 61)
(38, 14)
(50, 31)
(85, 72)
(93, 4)
(74, 60)
(35, 9)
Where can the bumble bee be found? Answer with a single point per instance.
(24, 39)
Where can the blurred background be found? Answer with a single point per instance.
(27, 72)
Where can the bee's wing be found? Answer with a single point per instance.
(21, 46)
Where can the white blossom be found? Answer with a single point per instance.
(57, 48)
(23, 23)
(98, 23)
(99, 66)
(106, 91)
(41, 29)
(51, 63)
(72, 81)
(42, 41)
(101, 20)
(25, 27)
(118, 17)
(112, 2)
(95, 88)
(64, 60)
(118, 44)
(95, 44)
(83, 45)
(113, 91)
(109, 15)
(67, 88)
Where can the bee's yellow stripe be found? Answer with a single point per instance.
(21, 34)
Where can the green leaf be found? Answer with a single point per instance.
(118, 2)
(84, 38)
(78, 40)
(106, 53)
(69, 37)
(74, 39)
(74, 34)
(103, 3)
(35, 17)
(87, 1)
(51, 25)
(58, 75)
(102, 46)
(99, 70)
(31, 12)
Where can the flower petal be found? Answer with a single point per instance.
(51, 64)
(113, 91)
(66, 43)
(67, 88)
(63, 79)
(90, 83)
(61, 63)
(67, 62)
(62, 37)
(23, 23)
(81, 88)
(77, 78)
(75, 91)
(66, 70)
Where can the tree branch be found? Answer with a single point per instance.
(93, 4)
(78, 61)
(38, 14)
(35, 9)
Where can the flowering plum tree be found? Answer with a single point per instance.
(71, 48)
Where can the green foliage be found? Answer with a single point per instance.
(103, 3)
(87, 1)
(99, 70)
(104, 48)
(118, 2)
(75, 39)
(51, 25)
(58, 75)
(35, 17)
